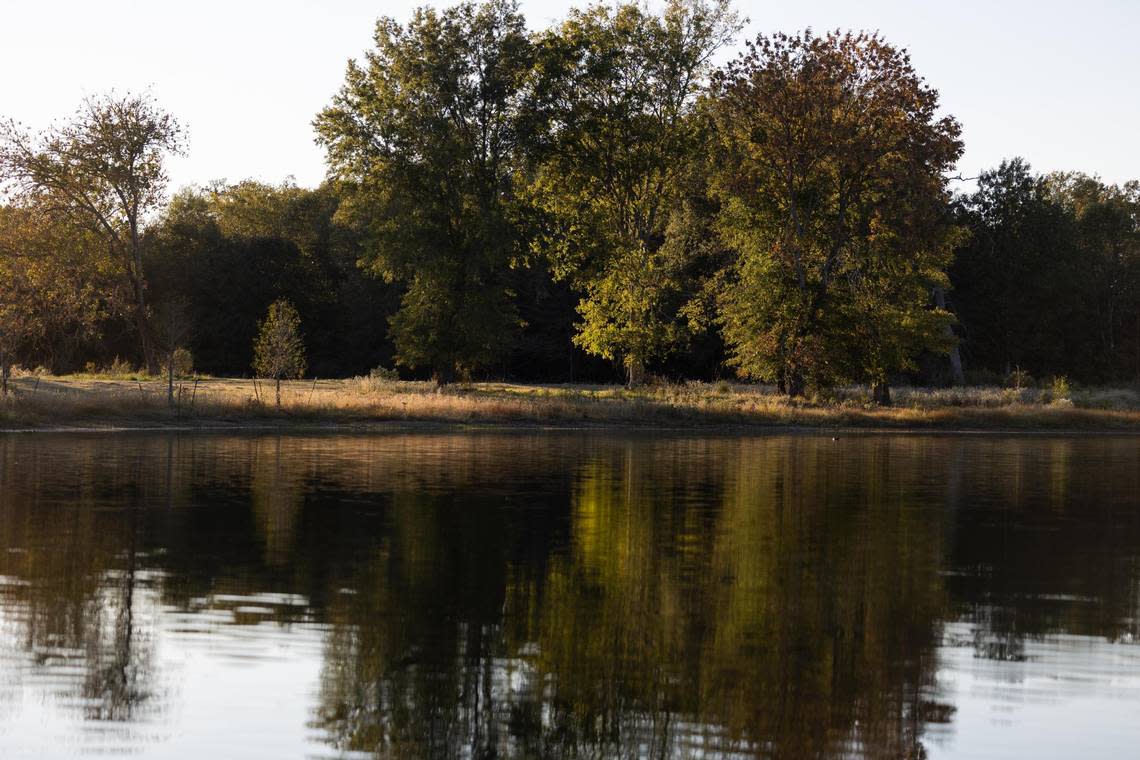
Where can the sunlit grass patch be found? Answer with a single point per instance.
(94, 401)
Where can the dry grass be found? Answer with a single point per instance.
(97, 402)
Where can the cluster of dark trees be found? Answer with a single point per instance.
(1047, 278)
(592, 201)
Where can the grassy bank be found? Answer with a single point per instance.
(92, 402)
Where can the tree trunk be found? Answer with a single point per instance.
(278, 393)
(5, 372)
(957, 375)
(170, 380)
(1111, 326)
(443, 376)
(634, 373)
(881, 393)
(142, 324)
(794, 383)
(782, 375)
(138, 282)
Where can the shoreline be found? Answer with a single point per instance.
(389, 426)
(100, 405)
(382, 428)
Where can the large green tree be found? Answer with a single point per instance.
(832, 180)
(425, 138)
(617, 95)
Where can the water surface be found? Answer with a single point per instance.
(550, 595)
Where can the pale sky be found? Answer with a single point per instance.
(1055, 82)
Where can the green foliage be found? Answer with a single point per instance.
(425, 139)
(279, 352)
(1060, 388)
(622, 312)
(451, 322)
(617, 96)
(840, 234)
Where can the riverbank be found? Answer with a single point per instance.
(96, 403)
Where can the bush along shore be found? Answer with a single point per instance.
(86, 402)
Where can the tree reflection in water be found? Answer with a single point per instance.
(740, 598)
(541, 595)
(79, 601)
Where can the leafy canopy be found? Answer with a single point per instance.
(831, 174)
(617, 95)
(425, 139)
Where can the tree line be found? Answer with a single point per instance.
(594, 198)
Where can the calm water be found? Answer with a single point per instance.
(569, 595)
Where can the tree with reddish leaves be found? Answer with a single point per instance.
(832, 178)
